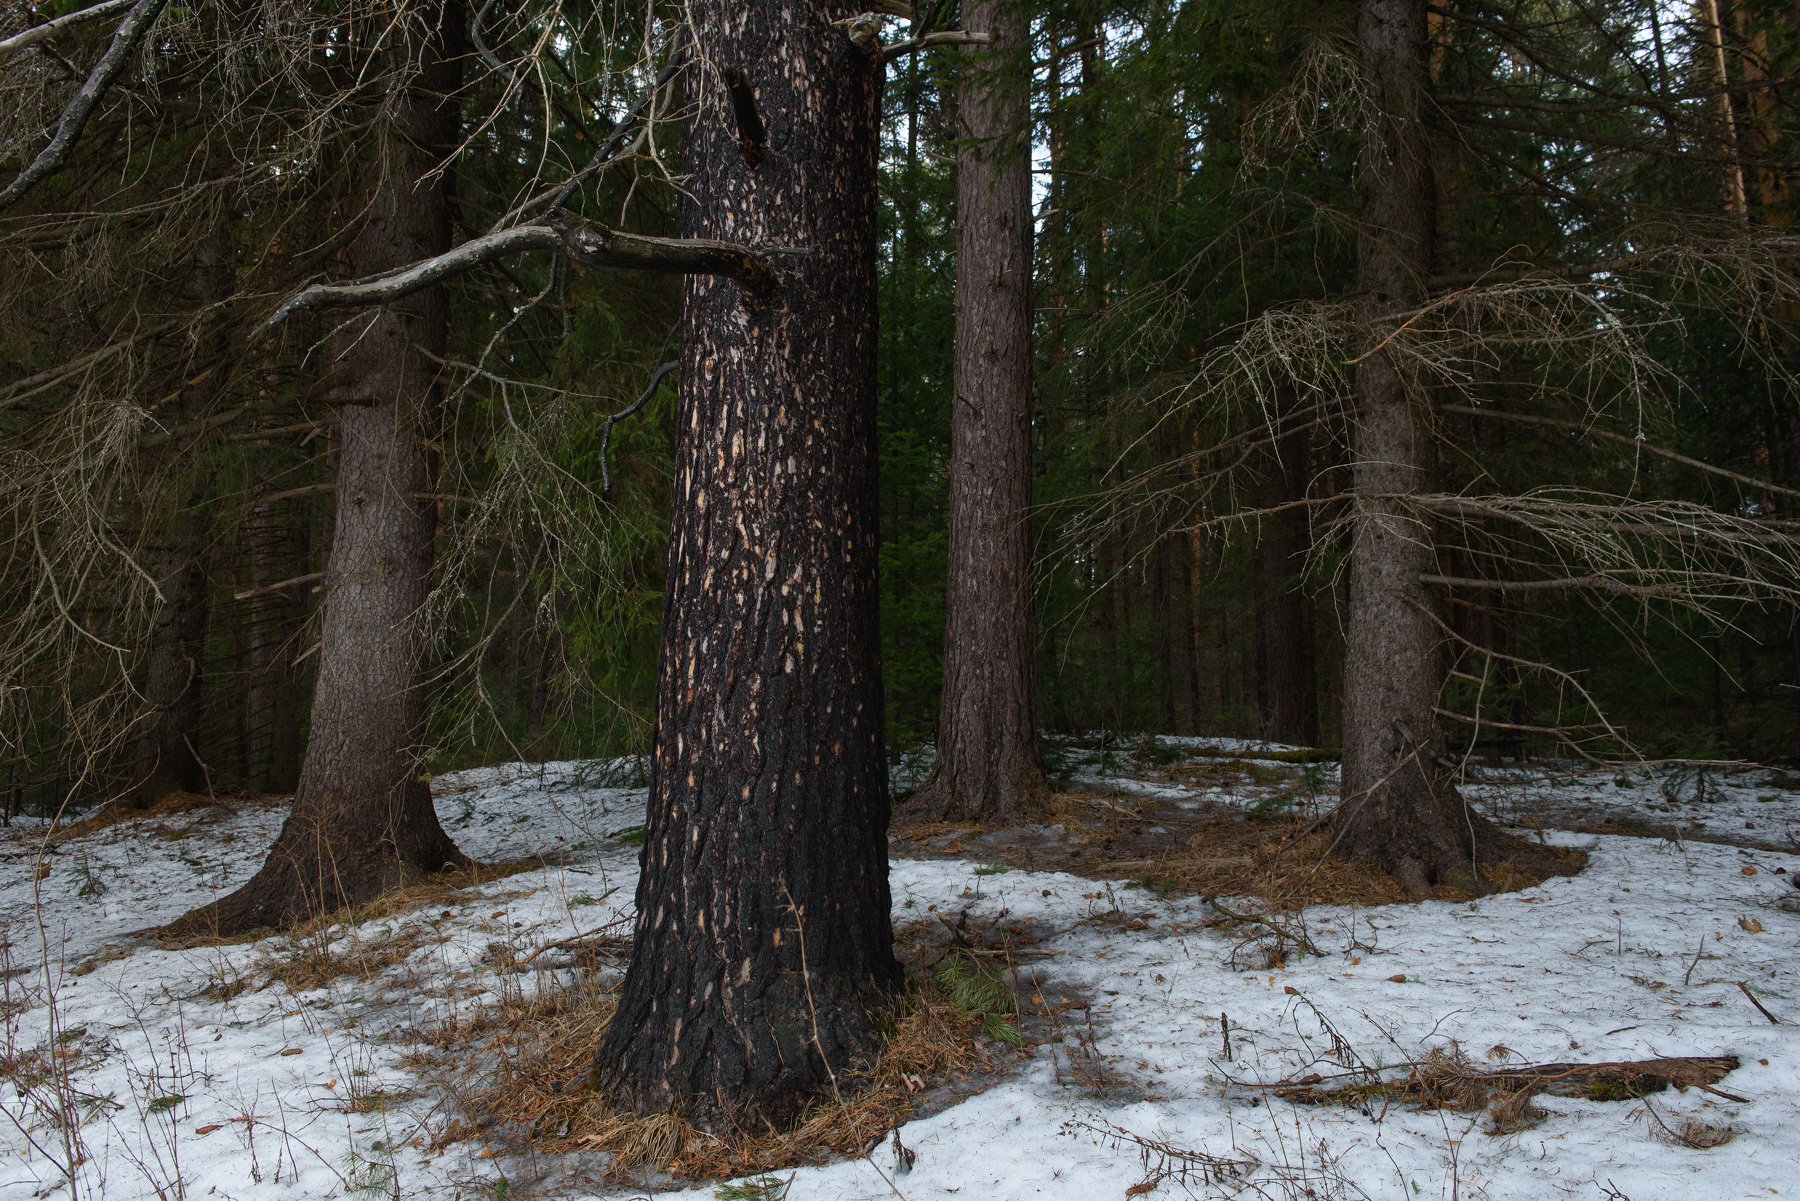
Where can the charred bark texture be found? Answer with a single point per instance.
(763, 951)
(1400, 806)
(987, 755)
(165, 756)
(362, 821)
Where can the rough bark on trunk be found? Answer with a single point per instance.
(763, 954)
(1399, 804)
(987, 764)
(362, 821)
(165, 754)
(1291, 708)
(272, 697)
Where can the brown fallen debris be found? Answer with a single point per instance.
(1448, 1079)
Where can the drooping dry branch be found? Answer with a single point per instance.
(49, 29)
(1589, 429)
(948, 37)
(126, 39)
(620, 134)
(587, 243)
(606, 427)
(390, 286)
(1596, 582)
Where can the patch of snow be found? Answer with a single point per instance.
(190, 1067)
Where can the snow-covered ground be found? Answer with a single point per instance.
(199, 1074)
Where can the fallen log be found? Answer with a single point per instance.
(1442, 1081)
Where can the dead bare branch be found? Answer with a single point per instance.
(586, 242)
(49, 29)
(126, 38)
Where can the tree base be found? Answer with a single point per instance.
(750, 1063)
(322, 862)
(1437, 842)
(1000, 797)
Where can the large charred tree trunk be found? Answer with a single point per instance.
(1399, 804)
(164, 756)
(362, 821)
(987, 756)
(763, 954)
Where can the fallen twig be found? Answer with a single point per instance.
(1294, 934)
(1760, 1007)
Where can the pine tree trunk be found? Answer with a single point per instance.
(362, 821)
(271, 700)
(987, 757)
(1291, 708)
(763, 954)
(165, 752)
(1399, 805)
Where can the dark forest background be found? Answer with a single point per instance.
(1195, 226)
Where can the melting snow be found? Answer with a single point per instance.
(190, 1074)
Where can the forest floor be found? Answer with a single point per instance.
(1207, 1011)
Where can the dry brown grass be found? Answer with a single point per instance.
(1515, 1112)
(1222, 851)
(540, 1090)
(1446, 1078)
(171, 805)
(307, 960)
(438, 889)
(1683, 1130)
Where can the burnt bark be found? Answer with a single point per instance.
(763, 951)
(1400, 806)
(164, 753)
(987, 764)
(362, 821)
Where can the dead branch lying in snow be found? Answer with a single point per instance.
(1448, 1080)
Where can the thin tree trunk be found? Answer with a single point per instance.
(1736, 189)
(763, 955)
(271, 702)
(987, 756)
(549, 666)
(1399, 805)
(165, 754)
(362, 821)
(1291, 712)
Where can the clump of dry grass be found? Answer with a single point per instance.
(1447, 1078)
(333, 945)
(443, 886)
(313, 957)
(542, 1049)
(1514, 1112)
(1685, 1130)
(438, 889)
